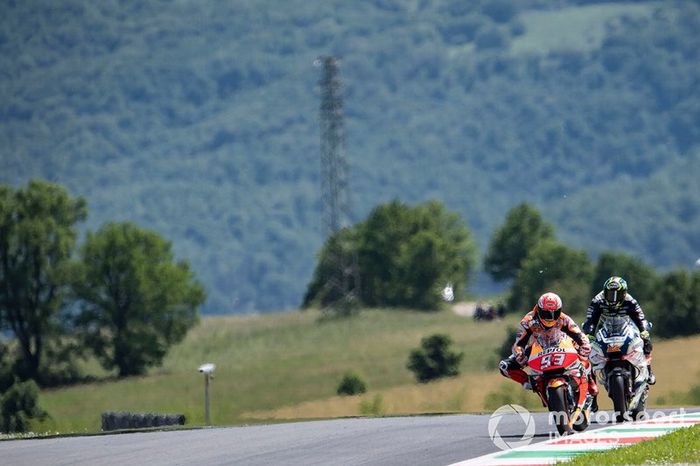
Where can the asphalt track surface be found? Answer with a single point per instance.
(416, 440)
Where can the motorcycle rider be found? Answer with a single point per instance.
(545, 317)
(614, 300)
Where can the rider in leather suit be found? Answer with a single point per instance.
(614, 300)
(545, 316)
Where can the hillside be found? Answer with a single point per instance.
(199, 119)
(283, 366)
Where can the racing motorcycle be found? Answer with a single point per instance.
(617, 357)
(558, 376)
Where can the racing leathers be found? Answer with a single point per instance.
(600, 308)
(530, 326)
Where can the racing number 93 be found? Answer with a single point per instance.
(556, 359)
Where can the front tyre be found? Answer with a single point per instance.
(581, 422)
(616, 387)
(556, 402)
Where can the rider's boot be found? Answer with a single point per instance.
(592, 385)
(651, 379)
(593, 391)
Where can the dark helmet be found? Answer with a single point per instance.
(614, 291)
(549, 309)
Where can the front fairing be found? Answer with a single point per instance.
(619, 344)
(618, 339)
(554, 353)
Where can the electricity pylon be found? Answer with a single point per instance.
(340, 291)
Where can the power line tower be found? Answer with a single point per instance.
(340, 291)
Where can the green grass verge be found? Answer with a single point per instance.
(267, 362)
(679, 447)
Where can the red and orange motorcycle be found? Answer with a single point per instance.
(558, 376)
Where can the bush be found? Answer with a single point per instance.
(351, 384)
(434, 359)
(373, 407)
(18, 405)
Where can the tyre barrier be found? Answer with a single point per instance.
(126, 420)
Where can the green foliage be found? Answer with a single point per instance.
(506, 348)
(326, 287)
(351, 384)
(641, 278)
(677, 304)
(18, 405)
(523, 228)
(135, 300)
(405, 254)
(207, 132)
(373, 407)
(434, 359)
(552, 266)
(37, 237)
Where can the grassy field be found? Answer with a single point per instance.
(288, 366)
(680, 447)
(269, 362)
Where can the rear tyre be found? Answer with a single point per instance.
(556, 402)
(617, 394)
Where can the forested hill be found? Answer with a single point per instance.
(199, 119)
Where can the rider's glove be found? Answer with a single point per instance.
(584, 351)
(520, 357)
(645, 334)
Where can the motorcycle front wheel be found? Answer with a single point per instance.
(556, 402)
(616, 387)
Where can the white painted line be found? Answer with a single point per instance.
(560, 449)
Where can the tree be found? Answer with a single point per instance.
(406, 255)
(135, 301)
(676, 305)
(323, 290)
(640, 277)
(552, 266)
(522, 230)
(434, 359)
(37, 237)
(694, 317)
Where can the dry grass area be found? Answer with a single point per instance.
(458, 394)
(676, 364)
